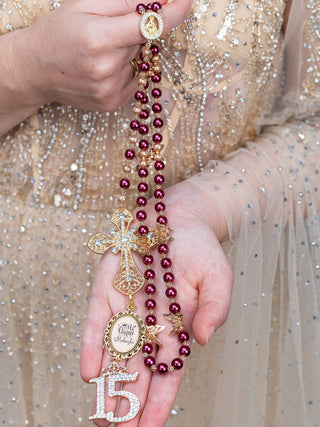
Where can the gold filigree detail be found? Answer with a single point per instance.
(177, 321)
(152, 332)
(128, 279)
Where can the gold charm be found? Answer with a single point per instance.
(128, 279)
(114, 373)
(152, 332)
(151, 25)
(124, 335)
(177, 321)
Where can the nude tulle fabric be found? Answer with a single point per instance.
(262, 368)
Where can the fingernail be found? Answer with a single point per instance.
(211, 332)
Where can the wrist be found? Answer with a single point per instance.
(22, 69)
(189, 197)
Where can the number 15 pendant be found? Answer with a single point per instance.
(123, 338)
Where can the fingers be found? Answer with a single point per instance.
(162, 393)
(139, 388)
(214, 300)
(127, 26)
(99, 313)
(111, 8)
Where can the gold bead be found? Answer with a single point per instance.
(122, 198)
(126, 169)
(155, 58)
(156, 68)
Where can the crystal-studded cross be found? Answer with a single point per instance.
(128, 279)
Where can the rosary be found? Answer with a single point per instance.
(126, 332)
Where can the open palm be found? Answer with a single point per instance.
(203, 280)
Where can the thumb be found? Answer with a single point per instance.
(214, 300)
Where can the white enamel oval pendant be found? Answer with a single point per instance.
(124, 335)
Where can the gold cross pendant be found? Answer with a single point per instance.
(128, 279)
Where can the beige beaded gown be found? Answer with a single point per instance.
(238, 86)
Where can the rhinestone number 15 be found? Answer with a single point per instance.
(112, 392)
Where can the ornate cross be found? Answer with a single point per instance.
(128, 279)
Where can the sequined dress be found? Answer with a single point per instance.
(237, 86)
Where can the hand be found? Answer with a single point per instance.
(80, 53)
(203, 279)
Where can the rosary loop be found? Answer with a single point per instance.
(126, 332)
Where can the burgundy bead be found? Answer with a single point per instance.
(159, 165)
(166, 263)
(159, 193)
(140, 8)
(158, 123)
(144, 114)
(150, 304)
(143, 172)
(144, 67)
(171, 292)
(149, 274)
(156, 78)
(159, 207)
(157, 108)
(184, 350)
(156, 6)
(174, 308)
(155, 49)
(151, 320)
(141, 55)
(141, 201)
(143, 229)
(162, 368)
(149, 6)
(156, 92)
(143, 129)
(143, 187)
(183, 336)
(162, 220)
(134, 124)
(147, 348)
(176, 363)
(150, 289)
(141, 215)
(143, 144)
(168, 277)
(144, 100)
(139, 95)
(130, 154)
(157, 138)
(149, 361)
(159, 179)
(125, 183)
(163, 248)
(148, 259)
